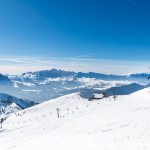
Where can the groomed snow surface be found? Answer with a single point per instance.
(108, 124)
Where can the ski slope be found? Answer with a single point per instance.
(108, 124)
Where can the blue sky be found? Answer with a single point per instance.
(110, 36)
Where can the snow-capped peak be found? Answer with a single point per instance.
(9, 104)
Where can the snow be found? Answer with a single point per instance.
(16, 84)
(7, 109)
(28, 75)
(121, 124)
(10, 104)
(27, 84)
(97, 95)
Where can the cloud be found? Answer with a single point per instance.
(18, 65)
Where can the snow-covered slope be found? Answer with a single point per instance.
(6, 108)
(10, 104)
(123, 124)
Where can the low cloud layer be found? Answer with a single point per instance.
(18, 65)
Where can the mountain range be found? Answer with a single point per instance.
(54, 73)
(43, 85)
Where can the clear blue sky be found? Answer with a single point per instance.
(93, 29)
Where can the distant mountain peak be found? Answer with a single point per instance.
(53, 73)
(4, 78)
